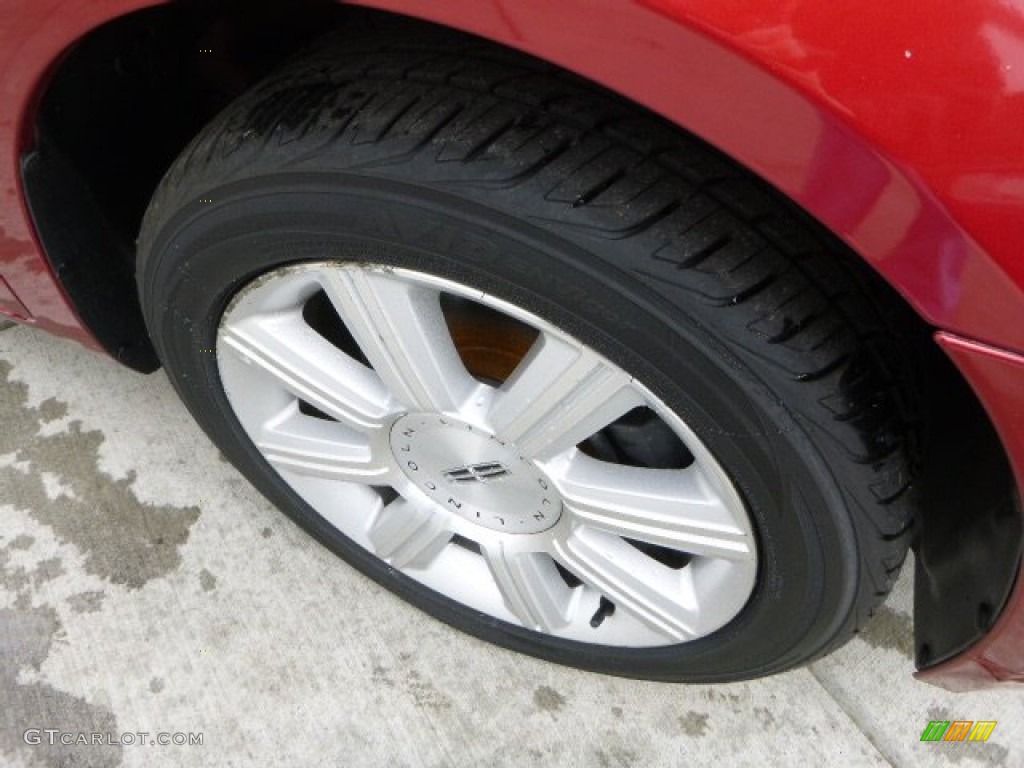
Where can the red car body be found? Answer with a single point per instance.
(896, 126)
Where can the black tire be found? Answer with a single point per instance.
(451, 157)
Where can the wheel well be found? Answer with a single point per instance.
(120, 106)
(128, 97)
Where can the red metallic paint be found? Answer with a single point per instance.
(905, 142)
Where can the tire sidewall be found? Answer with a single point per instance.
(193, 264)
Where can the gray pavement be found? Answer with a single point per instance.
(146, 587)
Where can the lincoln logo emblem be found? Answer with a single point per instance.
(485, 472)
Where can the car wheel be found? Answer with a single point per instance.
(546, 367)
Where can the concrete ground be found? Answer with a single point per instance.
(145, 587)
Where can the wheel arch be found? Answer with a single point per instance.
(689, 64)
(679, 65)
(710, 81)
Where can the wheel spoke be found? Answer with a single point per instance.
(531, 587)
(319, 448)
(310, 367)
(409, 535)
(661, 598)
(673, 508)
(659, 556)
(399, 326)
(560, 395)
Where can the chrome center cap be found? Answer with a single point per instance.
(471, 473)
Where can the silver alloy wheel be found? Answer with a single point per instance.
(479, 491)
